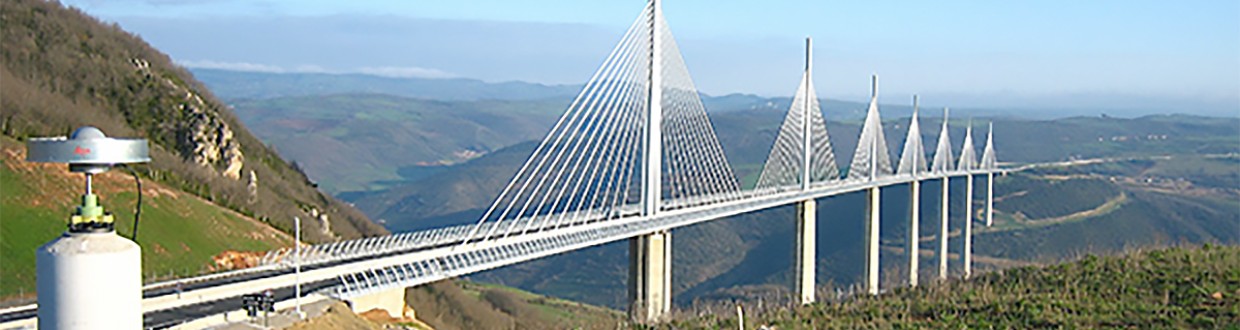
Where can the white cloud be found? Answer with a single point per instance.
(405, 72)
(180, 2)
(232, 66)
(309, 68)
(383, 71)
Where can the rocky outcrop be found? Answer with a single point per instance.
(202, 136)
(230, 260)
(324, 224)
(252, 187)
(208, 141)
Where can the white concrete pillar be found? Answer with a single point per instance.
(990, 199)
(650, 276)
(89, 280)
(871, 241)
(805, 262)
(666, 274)
(968, 227)
(391, 301)
(943, 213)
(914, 220)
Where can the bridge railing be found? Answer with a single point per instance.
(281, 260)
(508, 250)
(412, 241)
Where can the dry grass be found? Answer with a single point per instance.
(1183, 287)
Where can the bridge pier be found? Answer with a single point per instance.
(990, 199)
(806, 245)
(871, 241)
(943, 213)
(391, 301)
(967, 254)
(650, 276)
(914, 219)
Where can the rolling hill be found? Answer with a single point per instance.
(379, 141)
(747, 256)
(1043, 216)
(746, 137)
(369, 142)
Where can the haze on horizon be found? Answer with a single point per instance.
(1141, 56)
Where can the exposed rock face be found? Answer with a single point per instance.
(203, 137)
(252, 187)
(209, 142)
(324, 224)
(230, 260)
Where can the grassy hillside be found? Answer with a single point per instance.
(179, 233)
(1177, 288)
(62, 69)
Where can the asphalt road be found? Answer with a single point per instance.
(172, 317)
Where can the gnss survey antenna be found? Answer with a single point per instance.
(89, 277)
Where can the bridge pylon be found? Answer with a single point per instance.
(871, 161)
(912, 163)
(988, 163)
(807, 216)
(968, 163)
(942, 163)
(800, 159)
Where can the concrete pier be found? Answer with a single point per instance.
(968, 227)
(871, 241)
(391, 301)
(914, 221)
(990, 199)
(806, 232)
(650, 276)
(943, 213)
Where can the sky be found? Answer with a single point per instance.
(1181, 56)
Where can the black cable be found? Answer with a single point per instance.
(137, 213)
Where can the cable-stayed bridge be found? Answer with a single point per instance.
(633, 157)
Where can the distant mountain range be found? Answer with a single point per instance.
(236, 85)
(240, 86)
(378, 140)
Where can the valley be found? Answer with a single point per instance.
(1042, 216)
